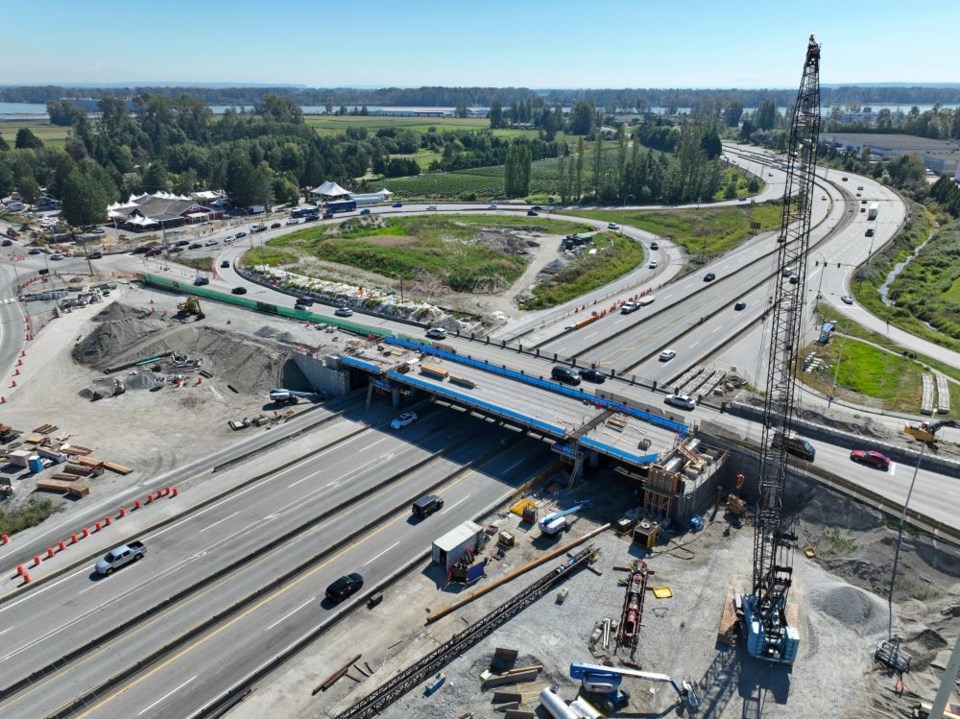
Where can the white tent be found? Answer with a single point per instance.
(329, 189)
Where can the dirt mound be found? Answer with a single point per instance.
(142, 380)
(115, 337)
(119, 311)
(850, 606)
(928, 639)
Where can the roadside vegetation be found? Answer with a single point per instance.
(269, 256)
(29, 515)
(615, 256)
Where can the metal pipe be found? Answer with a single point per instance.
(555, 706)
(441, 613)
(585, 709)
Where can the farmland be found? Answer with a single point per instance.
(338, 124)
(50, 135)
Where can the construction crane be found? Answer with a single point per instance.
(764, 612)
(925, 431)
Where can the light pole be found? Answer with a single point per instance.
(820, 285)
(896, 553)
(623, 211)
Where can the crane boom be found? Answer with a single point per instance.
(769, 635)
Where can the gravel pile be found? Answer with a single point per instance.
(114, 337)
(854, 608)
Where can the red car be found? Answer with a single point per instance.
(871, 457)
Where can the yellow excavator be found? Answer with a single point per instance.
(926, 431)
(191, 306)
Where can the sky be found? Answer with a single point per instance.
(493, 43)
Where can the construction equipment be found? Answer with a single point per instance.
(191, 306)
(607, 680)
(288, 396)
(632, 614)
(530, 514)
(736, 506)
(556, 522)
(762, 615)
(925, 431)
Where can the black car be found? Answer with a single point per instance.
(239, 290)
(195, 246)
(225, 263)
(344, 587)
(565, 375)
(592, 374)
(275, 226)
(537, 208)
(709, 277)
(327, 215)
(139, 250)
(6, 243)
(740, 306)
(532, 213)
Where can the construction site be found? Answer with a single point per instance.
(698, 580)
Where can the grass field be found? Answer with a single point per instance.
(269, 256)
(338, 124)
(50, 135)
(16, 520)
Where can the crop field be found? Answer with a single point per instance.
(338, 124)
(50, 135)
(479, 183)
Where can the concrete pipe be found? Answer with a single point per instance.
(555, 706)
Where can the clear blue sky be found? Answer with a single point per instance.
(531, 43)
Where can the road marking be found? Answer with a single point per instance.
(717, 329)
(290, 614)
(6, 630)
(211, 526)
(694, 344)
(893, 468)
(381, 553)
(167, 695)
(456, 504)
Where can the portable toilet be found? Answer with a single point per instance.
(34, 464)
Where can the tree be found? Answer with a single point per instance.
(6, 180)
(85, 198)
(517, 170)
(598, 166)
(26, 140)
(279, 109)
(4, 145)
(63, 113)
(581, 118)
(711, 144)
(732, 113)
(28, 187)
(578, 185)
(496, 115)
(285, 190)
(765, 118)
(156, 179)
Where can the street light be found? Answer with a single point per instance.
(623, 211)
(820, 285)
(896, 553)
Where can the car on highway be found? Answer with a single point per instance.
(343, 312)
(537, 208)
(667, 355)
(117, 557)
(300, 308)
(847, 300)
(741, 305)
(275, 226)
(365, 211)
(432, 207)
(592, 374)
(344, 587)
(859, 187)
(858, 194)
(709, 277)
(34, 251)
(437, 333)
(152, 251)
(565, 375)
(6, 243)
(629, 307)
(56, 256)
(240, 234)
(225, 263)
(844, 179)
(653, 265)
(613, 226)
(195, 246)
(654, 246)
(796, 445)
(201, 281)
(871, 457)
(397, 204)
(293, 221)
(425, 506)
(229, 240)
(182, 243)
(795, 280)
(824, 197)
(326, 215)
(869, 232)
(211, 243)
(95, 255)
(683, 401)
(175, 249)
(492, 207)
(404, 420)
(531, 213)
(239, 290)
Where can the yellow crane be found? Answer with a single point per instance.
(926, 431)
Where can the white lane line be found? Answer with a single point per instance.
(447, 509)
(694, 344)
(716, 329)
(893, 468)
(6, 630)
(167, 695)
(381, 553)
(211, 526)
(290, 614)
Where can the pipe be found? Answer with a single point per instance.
(441, 613)
(555, 706)
(585, 709)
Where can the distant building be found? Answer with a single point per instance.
(940, 156)
(161, 209)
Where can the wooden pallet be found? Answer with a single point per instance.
(727, 620)
(46, 428)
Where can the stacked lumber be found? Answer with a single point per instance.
(118, 468)
(83, 470)
(46, 428)
(77, 489)
(75, 449)
(89, 461)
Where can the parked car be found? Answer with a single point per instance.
(365, 211)
(95, 255)
(239, 290)
(847, 300)
(201, 281)
(397, 204)
(326, 215)
(181, 243)
(741, 305)
(34, 251)
(120, 556)
(532, 213)
(6, 243)
(152, 251)
(344, 587)
(404, 420)
(683, 401)
(871, 457)
(211, 243)
(437, 333)
(592, 374)
(565, 375)
(225, 263)
(667, 355)
(709, 277)
(343, 312)
(492, 207)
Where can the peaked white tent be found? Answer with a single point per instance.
(330, 189)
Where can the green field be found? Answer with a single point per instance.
(50, 135)
(338, 124)
(481, 183)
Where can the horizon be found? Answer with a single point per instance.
(425, 43)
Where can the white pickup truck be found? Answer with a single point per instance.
(119, 556)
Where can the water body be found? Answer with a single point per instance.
(897, 269)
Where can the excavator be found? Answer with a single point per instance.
(191, 306)
(926, 431)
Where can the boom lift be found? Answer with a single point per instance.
(556, 522)
(607, 680)
(925, 431)
(762, 614)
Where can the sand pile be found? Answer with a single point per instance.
(852, 607)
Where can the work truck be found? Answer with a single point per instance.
(120, 556)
